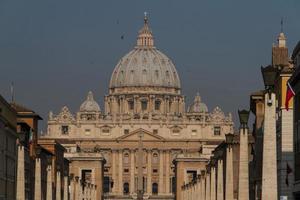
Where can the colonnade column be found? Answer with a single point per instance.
(213, 183)
(132, 171)
(77, 188)
(37, 182)
(58, 185)
(149, 172)
(229, 174)
(161, 173)
(243, 165)
(220, 189)
(20, 174)
(114, 170)
(72, 187)
(202, 185)
(66, 187)
(207, 187)
(120, 171)
(167, 155)
(269, 171)
(49, 183)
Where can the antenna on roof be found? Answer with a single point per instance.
(12, 92)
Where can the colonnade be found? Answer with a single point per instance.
(163, 165)
(211, 184)
(78, 189)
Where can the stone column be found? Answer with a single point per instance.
(81, 192)
(114, 171)
(269, 165)
(198, 188)
(37, 182)
(167, 172)
(120, 172)
(132, 171)
(202, 187)
(149, 172)
(229, 174)
(77, 188)
(49, 182)
(207, 187)
(58, 185)
(72, 187)
(161, 173)
(243, 165)
(20, 193)
(66, 187)
(213, 183)
(220, 190)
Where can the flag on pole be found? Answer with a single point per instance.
(289, 94)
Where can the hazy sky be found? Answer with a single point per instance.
(56, 51)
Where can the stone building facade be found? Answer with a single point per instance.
(145, 107)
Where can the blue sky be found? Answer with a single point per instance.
(56, 51)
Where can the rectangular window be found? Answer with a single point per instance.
(106, 130)
(144, 105)
(126, 170)
(64, 130)
(157, 105)
(130, 105)
(126, 131)
(217, 130)
(154, 170)
(106, 184)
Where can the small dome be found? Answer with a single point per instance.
(198, 106)
(145, 66)
(90, 105)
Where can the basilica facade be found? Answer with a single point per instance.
(143, 127)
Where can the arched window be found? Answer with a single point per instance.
(126, 188)
(154, 188)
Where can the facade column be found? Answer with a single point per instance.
(161, 173)
(120, 172)
(213, 183)
(77, 188)
(20, 174)
(114, 171)
(269, 171)
(167, 155)
(229, 174)
(207, 186)
(72, 187)
(220, 186)
(37, 184)
(244, 166)
(202, 197)
(149, 172)
(132, 171)
(66, 187)
(58, 185)
(49, 182)
(198, 188)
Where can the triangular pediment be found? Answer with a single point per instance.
(146, 136)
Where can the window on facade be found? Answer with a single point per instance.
(155, 131)
(87, 131)
(126, 188)
(105, 169)
(157, 105)
(126, 131)
(126, 170)
(154, 171)
(217, 130)
(144, 105)
(126, 158)
(155, 158)
(154, 188)
(191, 175)
(105, 130)
(64, 130)
(106, 184)
(86, 175)
(130, 105)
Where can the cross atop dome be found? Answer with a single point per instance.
(145, 38)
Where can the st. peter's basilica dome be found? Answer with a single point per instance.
(145, 66)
